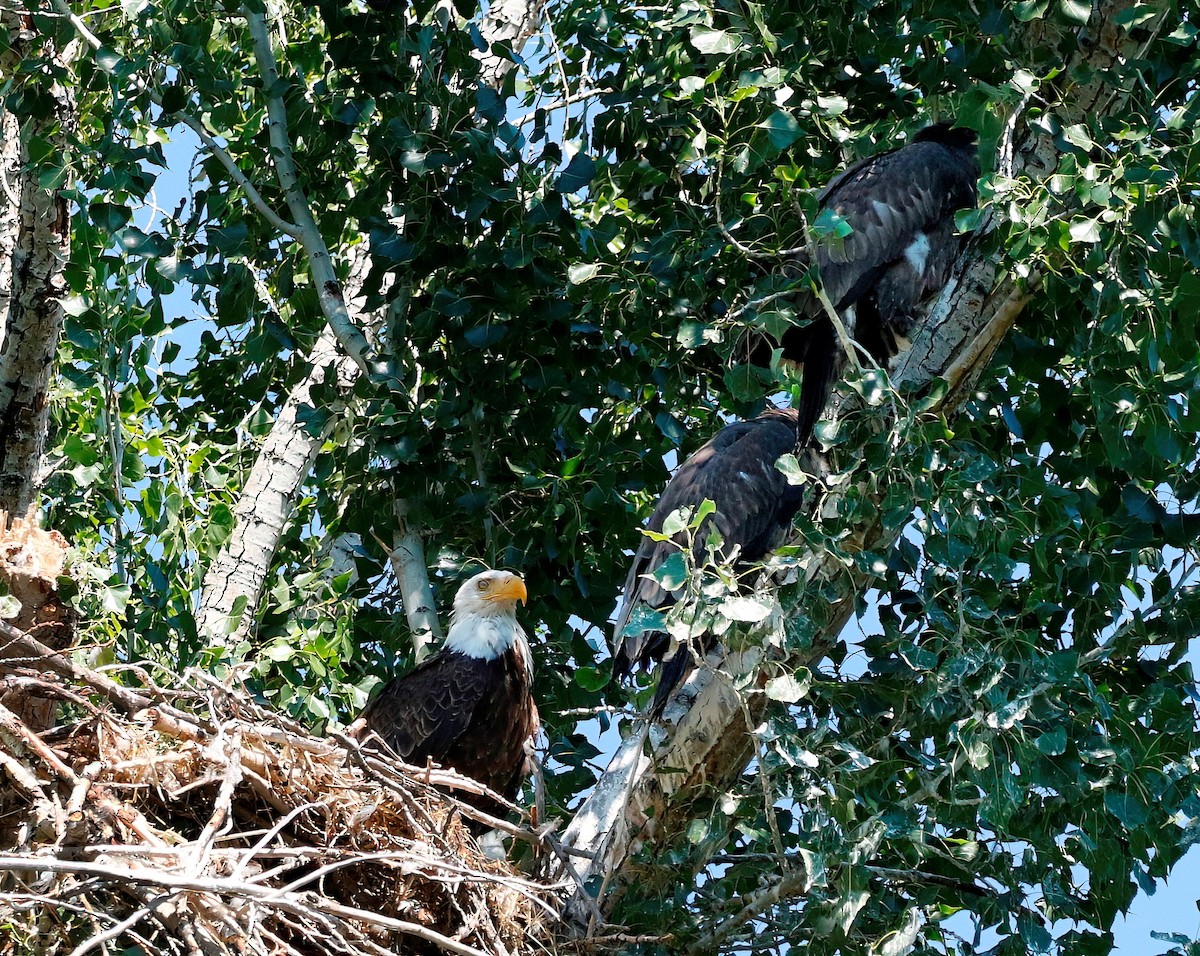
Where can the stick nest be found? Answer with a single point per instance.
(191, 820)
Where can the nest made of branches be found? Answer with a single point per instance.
(192, 820)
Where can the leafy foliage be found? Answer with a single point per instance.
(1010, 733)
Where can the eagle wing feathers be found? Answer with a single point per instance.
(755, 504)
(900, 206)
(422, 713)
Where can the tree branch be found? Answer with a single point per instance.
(320, 262)
(407, 558)
(216, 149)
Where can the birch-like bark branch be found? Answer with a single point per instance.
(34, 245)
(234, 582)
(408, 563)
(320, 262)
(643, 801)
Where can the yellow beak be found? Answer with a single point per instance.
(512, 588)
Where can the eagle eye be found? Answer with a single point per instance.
(484, 584)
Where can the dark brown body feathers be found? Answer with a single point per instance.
(901, 205)
(466, 713)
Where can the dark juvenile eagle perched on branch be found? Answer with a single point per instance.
(900, 205)
(755, 506)
(469, 706)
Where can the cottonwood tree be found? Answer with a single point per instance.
(435, 287)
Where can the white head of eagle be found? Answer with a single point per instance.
(484, 623)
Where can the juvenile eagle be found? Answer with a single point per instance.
(901, 206)
(755, 506)
(469, 706)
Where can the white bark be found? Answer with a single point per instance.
(234, 582)
(636, 806)
(508, 22)
(34, 244)
(320, 262)
(412, 574)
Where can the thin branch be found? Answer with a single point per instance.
(306, 904)
(934, 879)
(117, 929)
(566, 101)
(222, 155)
(320, 262)
(795, 883)
(126, 699)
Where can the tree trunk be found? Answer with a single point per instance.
(34, 237)
(639, 805)
(235, 580)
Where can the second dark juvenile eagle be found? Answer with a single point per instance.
(901, 205)
(755, 505)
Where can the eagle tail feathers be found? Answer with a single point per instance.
(821, 366)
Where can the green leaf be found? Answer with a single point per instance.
(579, 173)
(138, 243)
(707, 507)
(782, 129)
(677, 521)
(744, 382)
(692, 335)
(1139, 13)
(1053, 743)
(1026, 10)
(829, 225)
(643, 619)
(590, 678)
(710, 41)
(1131, 812)
(85, 475)
(109, 216)
(1076, 11)
(748, 609)
(671, 427)
(580, 272)
(790, 466)
(788, 689)
(115, 599)
(10, 607)
(1085, 230)
(672, 573)
(174, 98)
(833, 105)
(485, 336)
(220, 526)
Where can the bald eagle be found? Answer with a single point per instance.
(901, 206)
(469, 706)
(755, 506)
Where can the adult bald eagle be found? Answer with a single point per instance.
(901, 206)
(469, 706)
(755, 506)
